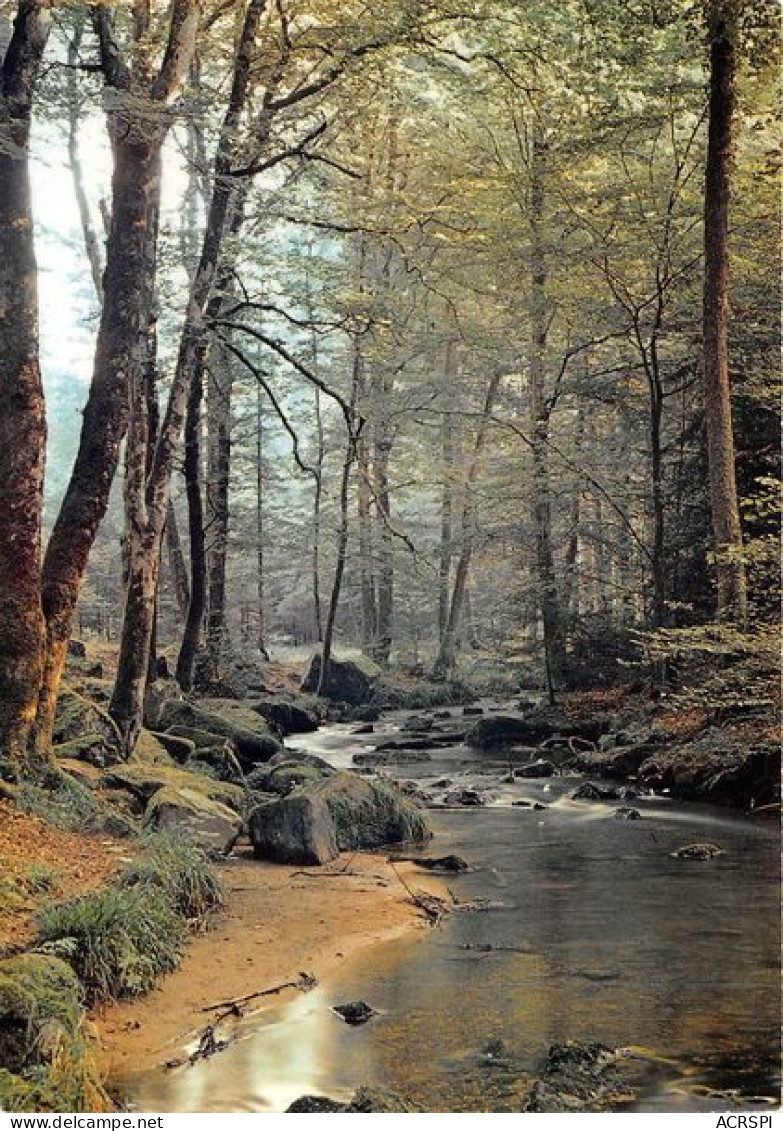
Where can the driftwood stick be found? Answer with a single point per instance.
(303, 982)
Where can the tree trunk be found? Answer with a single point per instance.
(119, 357)
(260, 568)
(176, 559)
(23, 418)
(730, 568)
(137, 137)
(194, 622)
(447, 651)
(219, 402)
(447, 502)
(385, 585)
(540, 411)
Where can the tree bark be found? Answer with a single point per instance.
(219, 405)
(177, 568)
(128, 286)
(727, 529)
(194, 621)
(447, 652)
(447, 501)
(540, 412)
(128, 699)
(23, 419)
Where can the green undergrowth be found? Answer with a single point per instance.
(45, 1047)
(389, 695)
(121, 939)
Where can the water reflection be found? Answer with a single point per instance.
(601, 935)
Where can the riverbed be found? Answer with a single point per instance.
(591, 930)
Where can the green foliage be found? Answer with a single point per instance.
(119, 940)
(181, 870)
(391, 696)
(720, 667)
(62, 801)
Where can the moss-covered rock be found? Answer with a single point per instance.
(35, 990)
(188, 812)
(350, 681)
(77, 716)
(145, 780)
(285, 776)
(248, 732)
(92, 748)
(287, 716)
(341, 812)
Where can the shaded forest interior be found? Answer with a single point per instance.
(442, 334)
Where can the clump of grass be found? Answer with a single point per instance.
(41, 879)
(60, 801)
(181, 870)
(118, 940)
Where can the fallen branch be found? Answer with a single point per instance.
(303, 982)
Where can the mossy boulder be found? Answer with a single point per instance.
(180, 747)
(350, 681)
(249, 733)
(285, 776)
(145, 780)
(316, 822)
(287, 716)
(365, 1100)
(188, 812)
(77, 716)
(36, 990)
(93, 748)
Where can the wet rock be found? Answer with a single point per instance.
(577, 1077)
(497, 730)
(365, 714)
(315, 1105)
(541, 768)
(291, 754)
(355, 1012)
(450, 863)
(418, 723)
(406, 744)
(468, 711)
(589, 791)
(467, 797)
(214, 827)
(365, 728)
(626, 813)
(697, 852)
(377, 1100)
(442, 715)
(288, 717)
(350, 681)
(390, 757)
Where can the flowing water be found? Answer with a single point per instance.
(594, 931)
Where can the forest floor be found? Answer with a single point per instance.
(40, 863)
(278, 922)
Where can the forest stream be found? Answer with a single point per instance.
(592, 930)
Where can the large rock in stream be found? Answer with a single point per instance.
(350, 681)
(531, 730)
(316, 822)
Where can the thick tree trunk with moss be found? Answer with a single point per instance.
(727, 528)
(23, 418)
(219, 408)
(128, 286)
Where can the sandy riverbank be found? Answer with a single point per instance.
(277, 922)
